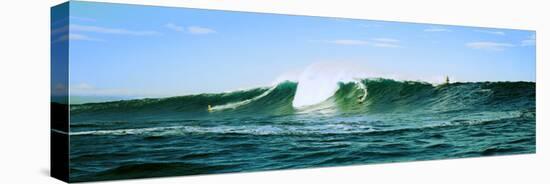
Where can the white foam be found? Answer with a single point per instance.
(244, 129)
(234, 105)
(319, 81)
(130, 131)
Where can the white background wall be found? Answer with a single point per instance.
(24, 90)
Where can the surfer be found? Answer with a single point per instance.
(361, 99)
(209, 108)
(446, 79)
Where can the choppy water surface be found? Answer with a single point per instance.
(367, 121)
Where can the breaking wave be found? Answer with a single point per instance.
(383, 95)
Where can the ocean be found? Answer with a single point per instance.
(366, 121)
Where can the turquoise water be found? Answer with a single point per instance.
(366, 121)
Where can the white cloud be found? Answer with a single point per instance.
(338, 19)
(83, 86)
(376, 42)
(387, 45)
(87, 89)
(374, 25)
(107, 30)
(434, 29)
(491, 46)
(349, 42)
(58, 30)
(175, 27)
(75, 37)
(500, 33)
(530, 41)
(199, 30)
(387, 40)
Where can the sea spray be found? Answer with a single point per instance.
(319, 81)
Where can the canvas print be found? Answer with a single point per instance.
(146, 91)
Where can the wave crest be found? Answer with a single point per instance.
(382, 96)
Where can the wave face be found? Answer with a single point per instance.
(383, 95)
(364, 96)
(273, 101)
(363, 121)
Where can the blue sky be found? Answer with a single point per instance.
(129, 50)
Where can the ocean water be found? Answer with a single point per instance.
(362, 122)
